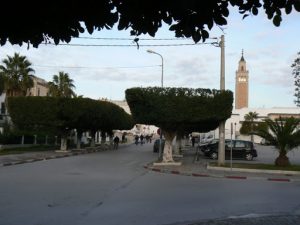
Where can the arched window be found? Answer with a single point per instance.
(242, 68)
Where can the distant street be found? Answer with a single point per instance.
(113, 188)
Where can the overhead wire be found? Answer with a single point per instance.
(136, 44)
(129, 45)
(93, 67)
(142, 39)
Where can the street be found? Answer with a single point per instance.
(112, 188)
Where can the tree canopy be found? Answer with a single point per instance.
(177, 110)
(58, 115)
(173, 109)
(34, 23)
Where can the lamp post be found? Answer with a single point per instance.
(162, 85)
(162, 65)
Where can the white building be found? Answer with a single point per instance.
(138, 129)
(234, 123)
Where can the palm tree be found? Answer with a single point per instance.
(250, 117)
(61, 86)
(16, 75)
(284, 134)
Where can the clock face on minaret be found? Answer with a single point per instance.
(241, 85)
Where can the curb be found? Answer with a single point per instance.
(177, 172)
(75, 153)
(50, 157)
(279, 172)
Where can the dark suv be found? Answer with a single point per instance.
(240, 149)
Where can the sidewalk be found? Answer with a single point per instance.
(200, 168)
(15, 159)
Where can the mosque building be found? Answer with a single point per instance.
(242, 106)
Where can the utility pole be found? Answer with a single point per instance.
(221, 149)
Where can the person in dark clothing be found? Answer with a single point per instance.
(116, 142)
(142, 139)
(136, 139)
(193, 141)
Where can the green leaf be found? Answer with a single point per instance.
(245, 16)
(288, 8)
(210, 23)
(168, 20)
(254, 11)
(220, 20)
(205, 35)
(276, 20)
(196, 36)
(297, 5)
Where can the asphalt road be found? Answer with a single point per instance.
(112, 187)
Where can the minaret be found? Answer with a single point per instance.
(241, 84)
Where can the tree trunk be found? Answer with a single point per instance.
(111, 141)
(282, 159)
(34, 142)
(103, 137)
(168, 155)
(93, 139)
(22, 140)
(177, 150)
(63, 144)
(78, 144)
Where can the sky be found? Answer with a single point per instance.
(107, 71)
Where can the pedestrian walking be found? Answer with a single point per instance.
(116, 142)
(136, 139)
(142, 139)
(193, 141)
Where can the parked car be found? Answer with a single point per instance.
(156, 145)
(240, 149)
(204, 146)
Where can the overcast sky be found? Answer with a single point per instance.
(106, 72)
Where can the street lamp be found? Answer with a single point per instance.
(162, 85)
(162, 65)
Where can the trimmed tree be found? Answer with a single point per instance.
(61, 115)
(178, 109)
(284, 134)
(34, 114)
